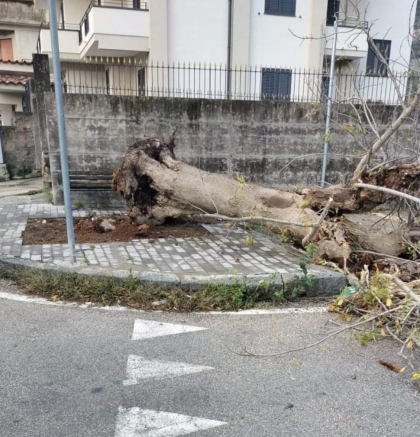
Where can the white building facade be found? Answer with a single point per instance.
(258, 44)
(19, 29)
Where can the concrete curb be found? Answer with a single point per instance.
(326, 284)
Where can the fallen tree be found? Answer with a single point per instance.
(157, 186)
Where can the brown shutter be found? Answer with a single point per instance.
(6, 50)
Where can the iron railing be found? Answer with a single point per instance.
(209, 81)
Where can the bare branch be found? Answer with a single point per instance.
(388, 191)
(386, 136)
(315, 229)
(309, 346)
(404, 287)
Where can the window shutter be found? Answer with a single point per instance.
(276, 84)
(287, 7)
(6, 50)
(272, 6)
(284, 85)
(268, 89)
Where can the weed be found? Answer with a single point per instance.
(366, 337)
(297, 286)
(310, 250)
(78, 204)
(304, 204)
(267, 285)
(24, 171)
(2, 179)
(286, 235)
(48, 194)
(130, 292)
(92, 247)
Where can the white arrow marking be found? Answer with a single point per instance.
(139, 368)
(147, 329)
(134, 422)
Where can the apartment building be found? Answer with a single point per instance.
(19, 29)
(257, 44)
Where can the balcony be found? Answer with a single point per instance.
(68, 39)
(115, 28)
(351, 39)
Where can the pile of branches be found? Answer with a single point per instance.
(384, 307)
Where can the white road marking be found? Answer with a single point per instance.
(41, 301)
(139, 368)
(134, 422)
(148, 329)
(257, 312)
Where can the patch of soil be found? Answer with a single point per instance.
(87, 230)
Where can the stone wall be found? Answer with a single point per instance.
(18, 145)
(274, 143)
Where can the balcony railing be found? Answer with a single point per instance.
(125, 4)
(349, 22)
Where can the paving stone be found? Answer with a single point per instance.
(190, 257)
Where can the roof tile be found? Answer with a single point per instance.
(13, 80)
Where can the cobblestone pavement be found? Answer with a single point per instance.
(223, 251)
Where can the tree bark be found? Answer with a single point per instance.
(157, 186)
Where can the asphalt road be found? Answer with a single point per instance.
(62, 373)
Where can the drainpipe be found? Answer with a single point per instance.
(1, 151)
(229, 50)
(329, 105)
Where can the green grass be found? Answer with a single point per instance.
(129, 292)
(24, 171)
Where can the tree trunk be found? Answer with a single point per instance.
(157, 186)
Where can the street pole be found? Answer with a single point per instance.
(329, 104)
(61, 127)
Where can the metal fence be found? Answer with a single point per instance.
(127, 77)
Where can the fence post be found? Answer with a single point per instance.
(329, 107)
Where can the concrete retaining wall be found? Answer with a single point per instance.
(274, 143)
(18, 145)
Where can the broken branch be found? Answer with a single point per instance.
(315, 229)
(388, 191)
(309, 346)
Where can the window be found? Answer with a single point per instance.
(141, 79)
(136, 4)
(86, 25)
(107, 82)
(6, 49)
(332, 9)
(63, 24)
(276, 84)
(280, 7)
(375, 67)
(325, 87)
